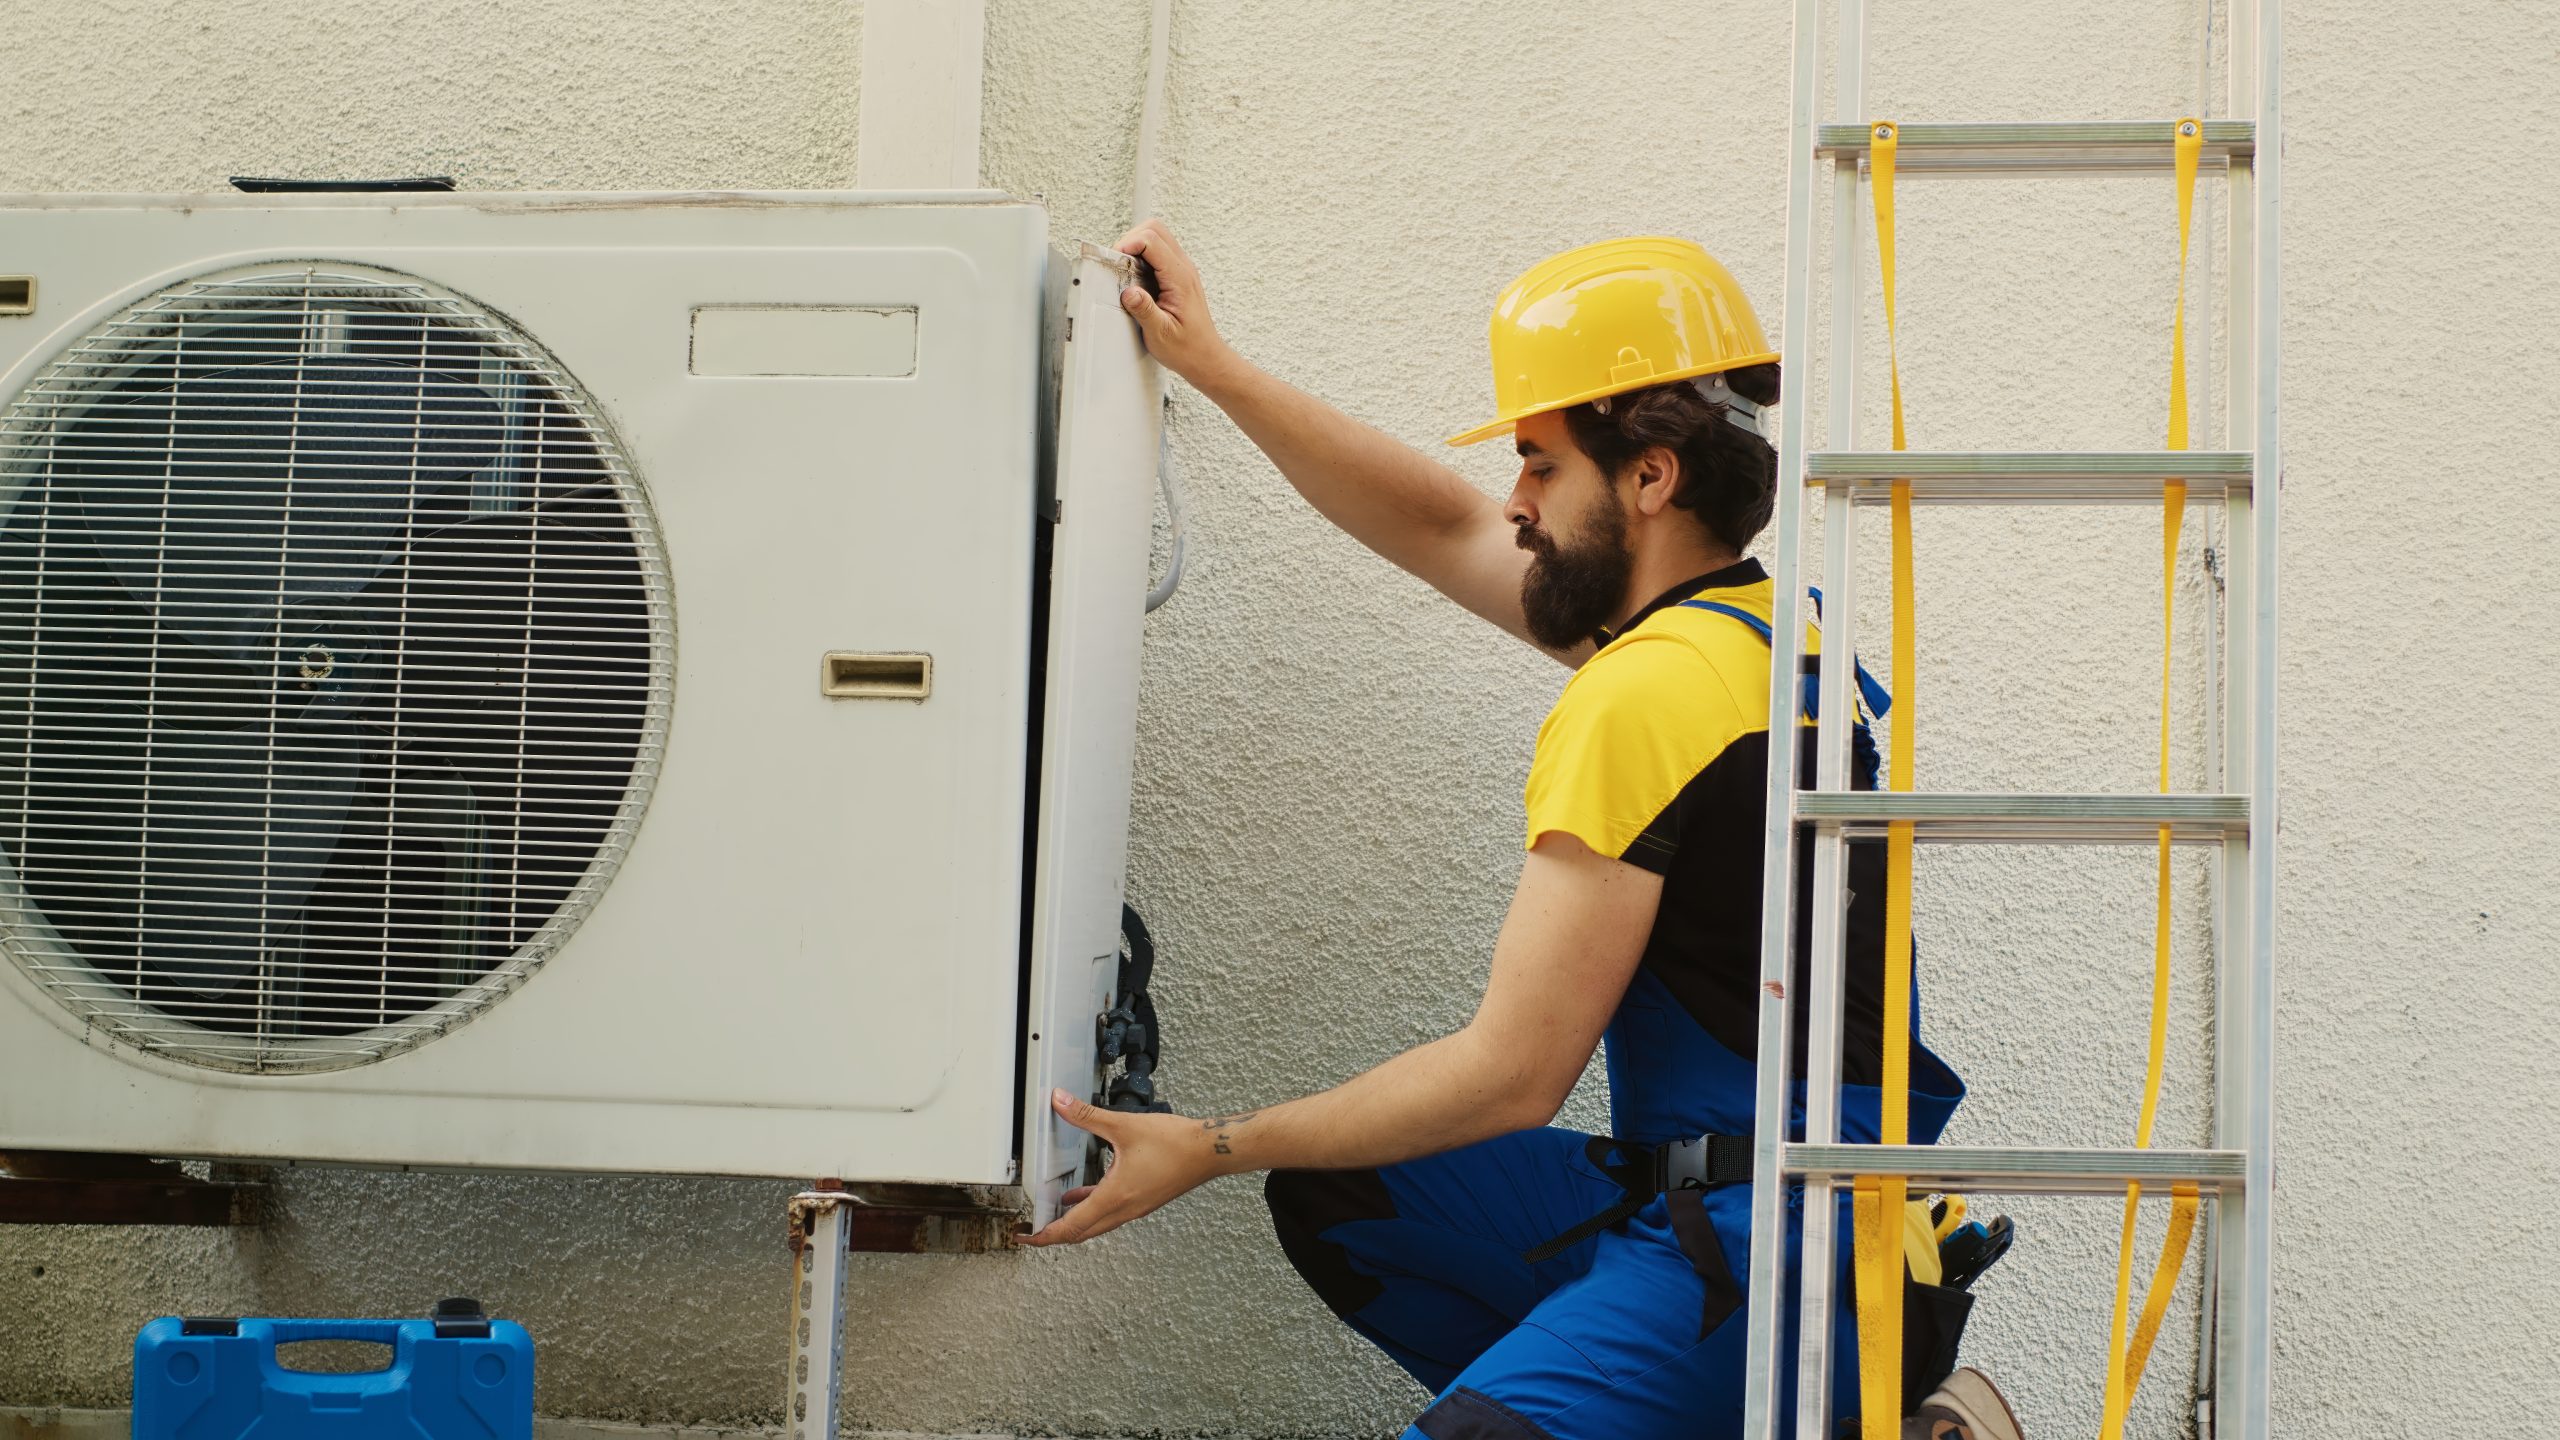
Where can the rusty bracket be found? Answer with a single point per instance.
(908, 1219)
(50, 1187)
(1125, 267)
(828, 1222)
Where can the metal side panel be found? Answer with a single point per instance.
(1109, 418)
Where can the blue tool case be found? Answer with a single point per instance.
(460, 1374)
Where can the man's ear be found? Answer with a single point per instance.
(1657, 477)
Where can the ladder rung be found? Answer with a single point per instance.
(2040, 819)
(2126, 477)
(2052, 148)
(2021, 1170)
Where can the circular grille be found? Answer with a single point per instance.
(334, 666)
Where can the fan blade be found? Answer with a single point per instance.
(258, 485)
(521, 663)
(411, 907)
(239, 835)
(178, 858)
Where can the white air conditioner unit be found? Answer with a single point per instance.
(612, 683)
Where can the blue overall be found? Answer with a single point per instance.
(1636, 1332)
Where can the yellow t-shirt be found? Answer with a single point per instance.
(1657, 754)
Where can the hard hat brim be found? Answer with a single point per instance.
(1503, 425)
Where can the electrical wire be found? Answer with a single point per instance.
(1142, 204)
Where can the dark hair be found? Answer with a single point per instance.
(1728, 476)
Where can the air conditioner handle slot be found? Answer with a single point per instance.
(863, 675)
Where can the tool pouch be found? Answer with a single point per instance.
(1933, 1319)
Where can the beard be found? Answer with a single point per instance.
(1568, 594)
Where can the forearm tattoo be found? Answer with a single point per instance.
(1225, 1126)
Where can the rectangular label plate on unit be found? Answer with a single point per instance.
(822, 340)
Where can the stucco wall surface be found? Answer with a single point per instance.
(1330, 759)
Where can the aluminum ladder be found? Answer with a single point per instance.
(2235, 1176)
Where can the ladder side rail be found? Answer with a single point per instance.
(2231, 1079)
(2229, 868)
(1818, 1266)
(2239, 1371)
(1829, 944)
(1766, 1281)
(2248, 1400)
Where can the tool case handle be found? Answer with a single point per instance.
(290, 1332)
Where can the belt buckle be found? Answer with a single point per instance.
(1682, 1164)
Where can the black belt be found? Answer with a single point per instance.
(1704, 1163)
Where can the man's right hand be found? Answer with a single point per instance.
(1175, 319)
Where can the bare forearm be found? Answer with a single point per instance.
(1384, 493)
(1576, 931)
(1455, 1091)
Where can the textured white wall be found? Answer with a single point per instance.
(1328, 808)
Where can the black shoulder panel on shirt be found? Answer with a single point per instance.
(1705, 947)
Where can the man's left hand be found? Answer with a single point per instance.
(1156, 1159)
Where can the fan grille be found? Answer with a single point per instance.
(335, 662)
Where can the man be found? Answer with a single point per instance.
(1422, 1201)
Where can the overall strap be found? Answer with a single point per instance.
(1645, 1171)
(1873, 698)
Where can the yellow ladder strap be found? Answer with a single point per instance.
(1878, 1203)
(2125, 1360)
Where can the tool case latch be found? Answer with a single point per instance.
(461, 1318)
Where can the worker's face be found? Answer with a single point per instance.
(1572, 519)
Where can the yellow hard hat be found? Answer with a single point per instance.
(1614, 317)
